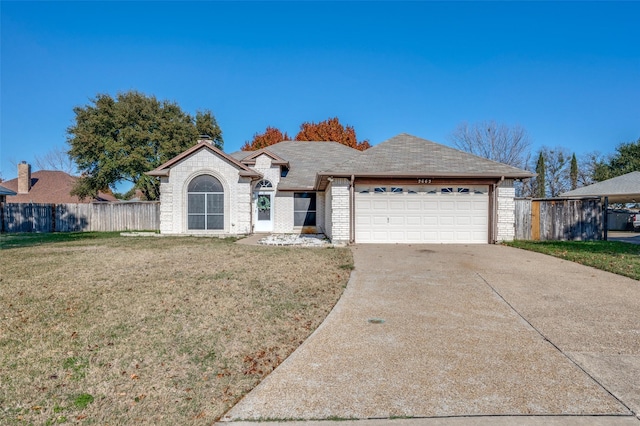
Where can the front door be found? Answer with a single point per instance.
(264, 212)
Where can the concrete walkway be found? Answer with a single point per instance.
(461, 334)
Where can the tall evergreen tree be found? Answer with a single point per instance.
(573, 172)
(540, 189)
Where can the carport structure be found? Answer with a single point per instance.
(620, 189)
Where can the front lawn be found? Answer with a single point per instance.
(103, 329)
(613, 256)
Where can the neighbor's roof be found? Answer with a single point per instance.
(405, 155)
(620, 189)
(6, 191)
(50, 186)
(305, 159)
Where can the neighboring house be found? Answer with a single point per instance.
(46, 186)
(403, 190)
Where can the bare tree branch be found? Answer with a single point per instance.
(497, 142)
(56, 159)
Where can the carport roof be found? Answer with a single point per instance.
(620, 189)
(6, 191)
(407, 155)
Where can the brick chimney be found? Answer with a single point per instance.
(205, 138)
(24, 178)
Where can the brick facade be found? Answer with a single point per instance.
(173, 195)
(505, 211)
(340, 211)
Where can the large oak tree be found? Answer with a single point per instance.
(119, 139)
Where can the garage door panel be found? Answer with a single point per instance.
(421, 217)
(446, 220)
(447, 205)
(464, 220)
(430, 205)
(380, 236)
(379, 220)
(430, 220)
(414, 236)
(480, 221)
(363, 221)
(397, 235)
(397, 220)
(414, 221)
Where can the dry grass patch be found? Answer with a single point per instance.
(152, 330)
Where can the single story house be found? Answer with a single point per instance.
(403, 190)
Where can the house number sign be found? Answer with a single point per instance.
(423, 180)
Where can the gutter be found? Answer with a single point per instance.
(493, 214)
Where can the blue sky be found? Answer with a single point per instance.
(568, 72)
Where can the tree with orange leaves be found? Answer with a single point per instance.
(329, 130)
(261, 140)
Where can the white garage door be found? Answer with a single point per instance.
(422, 214)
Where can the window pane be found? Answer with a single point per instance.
(205, 183)
(304, 201)
(196, 203)
(264, 207)
(215, 221)
(215, 203)
(304, 219)
(196, 222)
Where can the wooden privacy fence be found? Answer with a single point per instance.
(30, 217)
(559, 219)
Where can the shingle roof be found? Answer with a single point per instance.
(50, 186)
(407, 155)
(621, 189)
(306, 159)
(163, 169)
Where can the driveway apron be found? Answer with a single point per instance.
(453, 330)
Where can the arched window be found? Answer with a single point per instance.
(264, 185)
(205, 203)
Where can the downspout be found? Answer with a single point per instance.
(352, 210)
(494, 212)
(606, 219)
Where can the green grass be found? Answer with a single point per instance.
(612, 256)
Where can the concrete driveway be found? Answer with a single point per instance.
(440, 331)
(625, 237)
